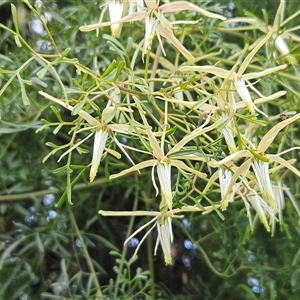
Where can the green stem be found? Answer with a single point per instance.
(85, 254)
(35, 194)
(129, 231)
(150, 258)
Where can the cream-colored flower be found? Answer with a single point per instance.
(163, 162)
(156, 23)
(225, 176)
(165, 239)
(239, 81)
(259, 189)
(115, 8)
(279, 30)
(261, 170)
(164, 176)
(162, 221)
(227, 130)
(103, 131)
(99, 145)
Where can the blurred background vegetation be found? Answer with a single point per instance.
(64, 253)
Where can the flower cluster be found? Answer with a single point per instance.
(220, 123)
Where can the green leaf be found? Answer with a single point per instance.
(58, 128)
(15, 19)
(109, 69)
(60, 169)
(120, 67)
(77, 108)
(252, 119)
(23, 91)
(171, 131)
(17, 40)
(41, 73)
(259, 156)
(63, 198)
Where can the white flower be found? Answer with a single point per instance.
(261, 170)
(242, 89)
(115, 9)
(238, 80)
(162, 221)
(135, 6)
(150, 31)
(280, 31)
(99, 145)
(225, 178)
(163, 163)
(228, 132)
(262, 209)
(164, 176)
(155, 22)
(165, 239)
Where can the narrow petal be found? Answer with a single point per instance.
(167, 33)
(131, 18)
(206, 69)
(91, 120)
(115, 9)
(279, 16)
(195, 133)
(283, 162)
(254, 75)
(240, 172)
(165, 237)
(164, 176)
(182, 166)
(269, 137)
(183, 5)
(250, 56)
(261, 170)
(244, 20)
(231, 157)
(244, 93)
(225, 177)
(137, 167)
(99, 144)
(150, 30)
(258, 204)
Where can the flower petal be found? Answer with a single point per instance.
(131, 18)
(142, 165)
(167, 33)
(183, 5)
(99, 144)
(269, 137)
